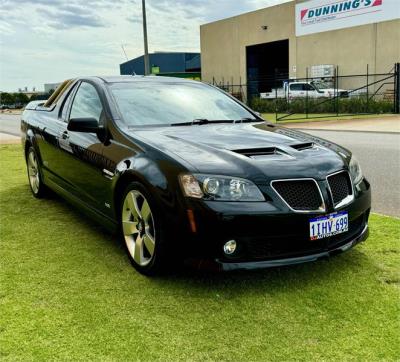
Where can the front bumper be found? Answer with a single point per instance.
(268, 234)
(226, 266)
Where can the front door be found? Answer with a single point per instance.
(81, 165)
(48, 127)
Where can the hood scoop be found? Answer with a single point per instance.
(264, 153)
(303, 146)
(249, 152)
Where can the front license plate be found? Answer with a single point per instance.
(329, 225)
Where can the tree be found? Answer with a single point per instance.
(7, 98)
(21, 98)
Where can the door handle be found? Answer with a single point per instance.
(65, 135)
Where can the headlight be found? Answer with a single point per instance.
(355, 171)
(221, 188)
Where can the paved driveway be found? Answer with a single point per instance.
(384, 123)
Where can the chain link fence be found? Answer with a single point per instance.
(324, 96)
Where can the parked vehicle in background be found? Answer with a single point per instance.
(292, 90)
(11, 106)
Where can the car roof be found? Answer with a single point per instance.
(141, 78)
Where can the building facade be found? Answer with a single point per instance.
(160, 62)
(51, 87)
(294, 37)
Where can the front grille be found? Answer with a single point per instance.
(300, 195)
(340, 186)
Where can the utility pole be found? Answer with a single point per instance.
(146, 49)
(123, 49)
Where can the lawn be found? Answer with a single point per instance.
(67, 291)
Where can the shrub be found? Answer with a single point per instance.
(351, 105)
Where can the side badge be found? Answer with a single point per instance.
(107, 173)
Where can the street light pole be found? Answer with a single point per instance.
(146, 49)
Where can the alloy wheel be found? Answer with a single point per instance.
(138, 227)
(33, 172)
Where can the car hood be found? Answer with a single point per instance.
(258, 150)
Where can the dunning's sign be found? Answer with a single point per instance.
(323, 15)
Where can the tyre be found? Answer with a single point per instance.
(36, 184)
(142, 230)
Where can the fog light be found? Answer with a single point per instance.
(230, 247)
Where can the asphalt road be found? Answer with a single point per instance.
(378, 153)
(379, 156)
(9, 123)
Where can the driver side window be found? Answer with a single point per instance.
(308, 87)
(296, 87)
(87, 103)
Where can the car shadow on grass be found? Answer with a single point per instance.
(51, 209)
(323, 272)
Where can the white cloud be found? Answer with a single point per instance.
(51, 40)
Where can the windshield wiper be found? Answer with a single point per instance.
(246, 120)
(201, 121)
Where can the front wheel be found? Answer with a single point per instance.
(38, 188)
(142, 229)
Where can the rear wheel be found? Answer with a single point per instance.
(34, 174)
(142, 230)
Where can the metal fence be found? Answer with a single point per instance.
(320, 97)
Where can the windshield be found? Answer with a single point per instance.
(318, 86)
(165, 103)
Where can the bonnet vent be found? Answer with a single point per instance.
(253, 152)
(303, 146)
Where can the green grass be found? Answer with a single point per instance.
(67, 291)
(315, 117)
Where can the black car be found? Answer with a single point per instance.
(187, 172)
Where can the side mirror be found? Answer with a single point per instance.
(88, 125)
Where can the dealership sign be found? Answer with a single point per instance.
(322, 15)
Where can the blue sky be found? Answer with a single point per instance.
(44, 41)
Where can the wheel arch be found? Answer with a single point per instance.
(122, 182)
(31, 142)
(160, 179)
(150, 182)
(27, 146)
